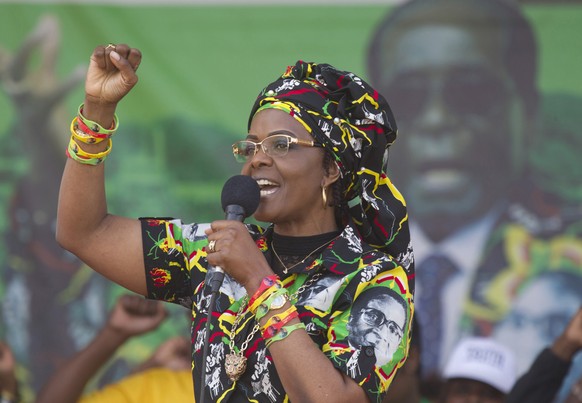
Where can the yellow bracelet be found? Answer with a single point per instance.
(80, 135)
(75, 148)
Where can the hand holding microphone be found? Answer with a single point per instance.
(230, 245)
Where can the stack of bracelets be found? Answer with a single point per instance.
(271, 296)
(89, 132)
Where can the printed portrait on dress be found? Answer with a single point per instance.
(378, 319)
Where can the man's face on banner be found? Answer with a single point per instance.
(378, 323)
(458, 115)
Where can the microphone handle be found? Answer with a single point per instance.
(232, 212)
(217, 279)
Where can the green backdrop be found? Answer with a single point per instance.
(202, 68)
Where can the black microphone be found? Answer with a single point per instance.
(240, 198)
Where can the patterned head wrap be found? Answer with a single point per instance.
(354, 122)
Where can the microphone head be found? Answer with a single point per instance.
(243, 191)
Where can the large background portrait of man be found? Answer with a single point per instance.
(484, 163)
(49, 293)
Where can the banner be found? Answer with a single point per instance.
(487, 154)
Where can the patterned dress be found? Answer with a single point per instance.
(357, 309)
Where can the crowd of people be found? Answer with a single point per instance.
(479, 369)
(332, 299)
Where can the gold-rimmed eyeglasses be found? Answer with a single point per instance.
(276, 145)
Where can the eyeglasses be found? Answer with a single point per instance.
(276, 145)
(467, 92)
(374, 317)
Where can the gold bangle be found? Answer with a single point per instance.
(73, 146)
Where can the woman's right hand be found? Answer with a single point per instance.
(111, 75)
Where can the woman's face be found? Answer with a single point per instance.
(291, 185)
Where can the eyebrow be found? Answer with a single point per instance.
(273, 133)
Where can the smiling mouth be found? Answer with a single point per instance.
(267, 187)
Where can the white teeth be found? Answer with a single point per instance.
(267, 187)
(267, 192)
(265, 182)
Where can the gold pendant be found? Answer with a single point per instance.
(235, 365)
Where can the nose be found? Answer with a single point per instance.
(260, 158)
(435, 114)
(441, 134)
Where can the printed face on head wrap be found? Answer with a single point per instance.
(355, 124)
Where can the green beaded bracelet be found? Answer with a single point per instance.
(284, 332)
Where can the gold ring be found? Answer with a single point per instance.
(110, 46)
(211, 246)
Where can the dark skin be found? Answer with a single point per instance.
(112, 245)
(570, 341)
(566, 346)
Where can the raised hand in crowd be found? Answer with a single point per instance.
(570, 341)
(131, 316)
(173, 354)
(543, 380)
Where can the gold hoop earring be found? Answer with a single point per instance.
(324, 194)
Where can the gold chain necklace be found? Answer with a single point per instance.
(285, 268)
(235, 363)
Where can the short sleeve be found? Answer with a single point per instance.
(175, 259)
